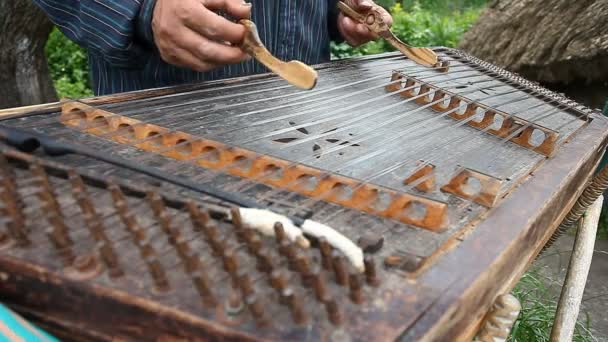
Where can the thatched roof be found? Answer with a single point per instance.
(551, 41)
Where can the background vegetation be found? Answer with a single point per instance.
(419, 23)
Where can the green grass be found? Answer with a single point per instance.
(539, 304)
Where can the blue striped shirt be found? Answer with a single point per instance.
(122, 57)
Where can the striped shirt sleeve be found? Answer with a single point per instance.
(332, 17)
(117, 31)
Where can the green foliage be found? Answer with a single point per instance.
(538, 312)
(68, 66)
(421, 25)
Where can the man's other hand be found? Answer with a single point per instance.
(352, 31)
(189, 34)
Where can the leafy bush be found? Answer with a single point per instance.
(419, 26)
(68, 65)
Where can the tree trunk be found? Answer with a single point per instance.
(24, 73)
(560, 43)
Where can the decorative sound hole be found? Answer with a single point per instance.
(273, 172)
(101, 123)
(183, 147)
(308, 182)
(126, 131)
(382, 200)
(211, 154)
(471, 186)
(241, 162)
(155, 139)
(537, 137)
(414, 210)
(343, 192)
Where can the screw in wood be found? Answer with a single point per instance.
(319, 284)
(340, 270)
(333, 311)
(279, 232)
(370, 271)
(326, 258)
(278, 280)
(256, 306)
(356, 291)
(294, 303)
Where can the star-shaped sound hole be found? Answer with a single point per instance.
(325, 142)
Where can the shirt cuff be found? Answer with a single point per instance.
(332, 25)
(144, 23)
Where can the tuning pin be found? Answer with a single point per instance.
(356, 293)
(62, 245)
(264, 259)
(254, 244)
(319, 285)
(303, 267)
(370, 271)
(278, 280)
(108, 255)
(340, 269)
(292, 300)
(256, 307)
(287, 249)
(325, 248)
(200, 218)
(158, 274)
(279, 232)
(333, 311)
(237, 222)
(230, 262)
(201, 283)
(245, 283)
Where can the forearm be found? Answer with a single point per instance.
(118, 31)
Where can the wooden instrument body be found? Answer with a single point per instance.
(450, 283)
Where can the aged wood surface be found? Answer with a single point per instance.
(434, 285)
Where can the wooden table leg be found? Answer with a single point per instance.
(576, 278)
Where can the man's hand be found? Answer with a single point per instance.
(353, 32)
(189, 34)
